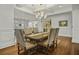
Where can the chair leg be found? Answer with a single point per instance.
(53, 44)
(25, 51)
(18, 49)
(56, 43)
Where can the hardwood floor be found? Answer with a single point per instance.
(75, 47)
(65, 47)
(9, 51)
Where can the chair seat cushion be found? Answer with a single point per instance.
(30, 45)
(45, 43)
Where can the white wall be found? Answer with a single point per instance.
(17, 22)
(18, 14)
(75, 17)
(22, 17)
(63, 31)
(6, 16)
(6, 25)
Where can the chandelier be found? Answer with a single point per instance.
(40, 15)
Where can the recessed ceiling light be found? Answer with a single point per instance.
(60, 6)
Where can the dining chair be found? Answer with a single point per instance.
(28, 30)
(27, 46)
(53, 36)
(52, 40)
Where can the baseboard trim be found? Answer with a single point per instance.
(9, 45)
(65, 36)
(75, 43)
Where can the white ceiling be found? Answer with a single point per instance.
(49, 9)
(34, 7)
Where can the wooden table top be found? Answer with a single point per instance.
(39, 37)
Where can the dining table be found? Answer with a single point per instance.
(37, 38)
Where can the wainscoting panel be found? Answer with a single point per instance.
(7, 38)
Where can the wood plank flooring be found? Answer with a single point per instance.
(75, 48)
(65, 47)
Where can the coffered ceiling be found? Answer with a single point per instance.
(47, 8)
(29, 10)
(34, 7)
